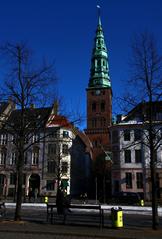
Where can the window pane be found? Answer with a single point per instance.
(1, 179)
(94, 106)
(64, 168)
(65, 149)
(126, 135)
(65, 134)
(138, 156)
(127, 155)
(51, 148)
(137, 134)
(50, 186)
(128, 180)
(12, 178)
(102, 106)
(139, 178)
(51, 167)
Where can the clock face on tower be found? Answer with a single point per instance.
(97, 92)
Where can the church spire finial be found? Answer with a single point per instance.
(99, 14)
(99, 73)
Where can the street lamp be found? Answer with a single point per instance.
(108, 158)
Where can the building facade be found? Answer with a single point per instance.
(49, 157)
(131, 155)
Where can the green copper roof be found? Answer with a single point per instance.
(99, 75)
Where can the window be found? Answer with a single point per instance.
(126, 135)
(13, 158)
(103, 106)
(36, 138)
(13, 139)
(65, 149)
(51, 166)
(102, 122)
(53, 135)
(128, 180)
(51, 149)
(12, 178)
(94, 106)
(127, 156)
(50, 186)
(137, 134)
(138, 156)
(139, 178)
(99, 63)
(3, 139)
(65, 134)
(2, 179)
(64, 167)
(94, 123)
(35, 156)
(3, 157)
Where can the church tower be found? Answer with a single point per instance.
(99, 96)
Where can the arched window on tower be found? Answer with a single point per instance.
(94, 123)
(102, 122)
(102, 106)
(94, 106)
(99, 63)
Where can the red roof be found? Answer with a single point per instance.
(58, 120)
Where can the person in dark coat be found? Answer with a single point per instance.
(60, 201)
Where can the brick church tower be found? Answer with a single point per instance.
(99, 96)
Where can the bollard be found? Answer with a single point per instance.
(46, 199)
(142, 203)
(117, 217)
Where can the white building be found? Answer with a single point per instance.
(50, 155)
(131, 157)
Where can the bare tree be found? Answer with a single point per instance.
(24, 85)
(144, 86)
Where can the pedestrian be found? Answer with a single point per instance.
(60, 202)
(85, 198)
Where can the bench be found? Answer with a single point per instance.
(76, 211)
(2, 209)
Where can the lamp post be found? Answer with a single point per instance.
(108, 158)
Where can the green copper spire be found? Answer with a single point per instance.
(99, 75)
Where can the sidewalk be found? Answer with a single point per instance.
(25, 227)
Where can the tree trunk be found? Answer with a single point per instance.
(153, 169)
(19, 187)
(155, 220)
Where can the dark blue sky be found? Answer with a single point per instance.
(64, 31)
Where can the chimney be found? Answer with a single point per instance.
(55, 107)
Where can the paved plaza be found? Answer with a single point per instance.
(37, 230)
